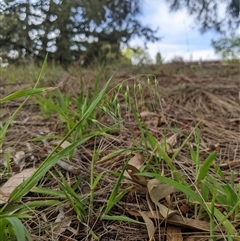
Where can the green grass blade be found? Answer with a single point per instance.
(21, 209)
(193, 155)
(50, 161)
(49, 192)
(96, 85)
(115, 197)
(24, 93)
(206, 165)
(121, 218)
(74, 200)
(44, 65)
(184, 142)
(225, 222)
(163, 154)
(5, 127)
(97, 179)
(183, 188)
(204, 187)
(3, 224)
(19, 229)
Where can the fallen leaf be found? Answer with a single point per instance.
(18, 156)
(147, 114)
(178, 220)
(174, 234)
(165, 211)
(69, 167)
(133, 167)
(169, 143)
(153, 122)
(13, 182)
(137, 161)
(131, 171)
(149, 224)
(19, 161)
(65, 144)
(157, 191)
(62, 222)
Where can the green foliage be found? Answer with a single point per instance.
(71, 110)
(206, 190)
(228, 47)
(10, 226)
(137, 55)
(116, 195)
(159, 59)
(18, 94)
(69, 30)
(13, 212)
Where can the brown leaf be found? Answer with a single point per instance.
(157, 191)
(153, 122)
(174, 234)
(19, 155)
(13, 182)
(133, 167)
(149, 224)
(62, 222)
(131, 171)
(19, 161)
(178, 220)
(169, 143)
(137, 161)
(68, 167)
(65, 144)
(147, 114)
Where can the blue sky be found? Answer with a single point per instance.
(180, 33)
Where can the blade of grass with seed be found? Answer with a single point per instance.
(24, 93)
(52, 159)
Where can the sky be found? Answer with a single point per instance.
(180, 34)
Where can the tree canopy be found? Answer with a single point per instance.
(69, 29)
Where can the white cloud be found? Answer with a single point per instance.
(170, 51)
(181, 36)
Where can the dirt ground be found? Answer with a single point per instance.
(207, 93)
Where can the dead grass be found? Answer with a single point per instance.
(190, 93)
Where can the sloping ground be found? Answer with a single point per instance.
(180, 97)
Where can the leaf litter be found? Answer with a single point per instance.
(211, 97)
